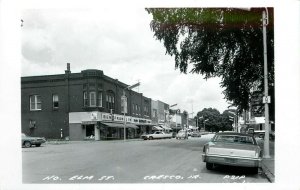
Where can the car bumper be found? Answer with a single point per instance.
(232, 161)
(37, 142)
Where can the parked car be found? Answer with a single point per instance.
(234, 149)
(182, 135)
(196, 134)
(261, 134)
(28, 141)
(157, 135)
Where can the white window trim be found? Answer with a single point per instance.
(35, 103)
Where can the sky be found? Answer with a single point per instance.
(119, 42)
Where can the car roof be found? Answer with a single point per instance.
(234, 133)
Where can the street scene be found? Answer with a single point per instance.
(132, 161)
(148, 95)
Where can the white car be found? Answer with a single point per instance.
(157, 135)
(182, 135)
(234, 149)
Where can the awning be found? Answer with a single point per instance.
(88, 122)
(120, 125)
(145, 124)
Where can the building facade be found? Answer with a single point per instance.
(81, 106)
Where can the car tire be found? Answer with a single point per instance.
(209, 166)
(150, 138)
(27, 144)
(38, 145)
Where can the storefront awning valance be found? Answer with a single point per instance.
(145, 124)
(119, 125)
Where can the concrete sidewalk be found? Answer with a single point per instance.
(267, 165)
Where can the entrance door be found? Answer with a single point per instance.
(90, 130)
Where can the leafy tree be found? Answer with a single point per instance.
(211, 117)
(215, 121)
(218, 42)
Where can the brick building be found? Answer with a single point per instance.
(81, 105)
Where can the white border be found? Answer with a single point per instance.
(287, 77)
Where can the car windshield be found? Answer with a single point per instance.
(234, 139)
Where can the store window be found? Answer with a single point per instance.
(55, 101)
(35, 102)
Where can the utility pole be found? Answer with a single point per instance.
(266, 98)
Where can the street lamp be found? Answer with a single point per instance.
(205, 122)
(266, 98)
(124, 104)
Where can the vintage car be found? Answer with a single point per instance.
(182, 135)
(234, 149)
(196, 134)
(157, 135)
(28, 141)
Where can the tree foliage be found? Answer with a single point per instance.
(214, 120)
(218, 42)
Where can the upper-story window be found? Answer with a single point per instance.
(55, 101)
(85, 99)
(100, 98)
(35, 102)
(92, 99)
(110, 100)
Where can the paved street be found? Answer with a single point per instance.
(133, 161)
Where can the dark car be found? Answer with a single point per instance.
(196, 134)
(28, 141)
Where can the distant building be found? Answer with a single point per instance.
(81, 106)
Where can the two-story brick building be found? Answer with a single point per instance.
(82, 105)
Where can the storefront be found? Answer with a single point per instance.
(103, 126)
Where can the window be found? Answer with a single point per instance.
(92, 99)
(35, 102)
(55, 101)
(110, 101)
(100, 99)
(85, 99)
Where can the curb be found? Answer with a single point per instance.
(270, 176)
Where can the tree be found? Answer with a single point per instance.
(211, 118)
(214, 120)
(218, 42)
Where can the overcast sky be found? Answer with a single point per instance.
(117, 41)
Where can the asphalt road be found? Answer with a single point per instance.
(132, 161)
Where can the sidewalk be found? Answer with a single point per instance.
(267, 164)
